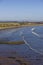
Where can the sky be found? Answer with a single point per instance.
(21, 10)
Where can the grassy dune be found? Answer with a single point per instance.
(5, 25)
(8, 25)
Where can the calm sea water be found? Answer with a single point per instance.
(32, 50)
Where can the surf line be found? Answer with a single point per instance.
(29, 44)
(33, 32)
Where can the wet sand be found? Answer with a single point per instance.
(14, 61)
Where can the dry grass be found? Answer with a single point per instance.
(8, 25)
(18, 24)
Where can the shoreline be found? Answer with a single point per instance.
(10, 25)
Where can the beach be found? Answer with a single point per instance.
(21, 44)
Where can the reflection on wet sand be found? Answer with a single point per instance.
(14, 61)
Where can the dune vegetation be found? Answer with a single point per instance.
(4, 25)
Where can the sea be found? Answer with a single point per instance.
(32, 49)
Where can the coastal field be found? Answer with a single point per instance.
(4, 25)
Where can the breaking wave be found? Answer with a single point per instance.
(28, 44)
(33, 32)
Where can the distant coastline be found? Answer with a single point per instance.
(15, 24)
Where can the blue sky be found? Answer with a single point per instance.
(30, 10)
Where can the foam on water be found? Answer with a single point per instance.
(24, 33)
(35, 32)
(28, 44)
